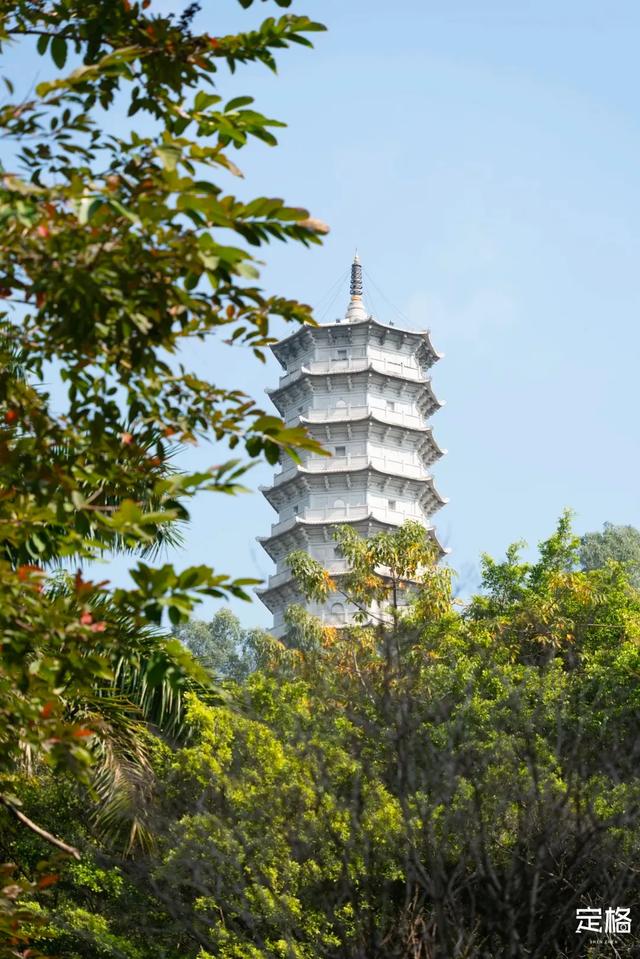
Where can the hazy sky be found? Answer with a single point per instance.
(484, 158)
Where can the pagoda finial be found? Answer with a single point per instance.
(356, 276)
(356, 311)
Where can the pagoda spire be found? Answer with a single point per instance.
(356, 276)
(356, 311)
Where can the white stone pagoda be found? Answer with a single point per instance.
(362, 389)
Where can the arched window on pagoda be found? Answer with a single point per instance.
(337, 613)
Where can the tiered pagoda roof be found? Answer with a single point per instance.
(361, 388)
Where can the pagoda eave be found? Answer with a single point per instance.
(280, 546)
(424, 479)
(368, 520)
(332, 377)
(283, 348)
(287, 591)
(362, 418)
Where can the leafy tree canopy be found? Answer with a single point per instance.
(439, 785)
(116, 250)
(222, 645)
(620, 544)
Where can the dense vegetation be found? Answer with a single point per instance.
(117, 249)
(455, 784)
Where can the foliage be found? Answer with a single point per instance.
(426, 784)
(380, 570)
(222, 646)
(618, 544)
(441, 786)
(117, 250)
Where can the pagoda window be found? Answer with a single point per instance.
(391, 406)
(342, 354)
(341, 450)
(337, 613)
(393, 505)
(339, 504)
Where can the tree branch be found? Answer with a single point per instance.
(39, 831)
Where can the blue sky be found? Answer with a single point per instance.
(483, 157)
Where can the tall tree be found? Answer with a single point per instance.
(117, 248)
(620, 544)
(222, 645)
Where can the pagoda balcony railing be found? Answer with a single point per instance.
(342, 514)
(393, 417)
(336, 514)
(346, 618)
(325, 515)
(355, 365)
(334, 566)
(352, 462)
(396, 367)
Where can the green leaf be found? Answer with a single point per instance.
(205, 100)
(271, 452)
(59, 51)
(169, 155)
(292, 213)
(43, 43)
(238, 102)
(122, 209)
(248, 270)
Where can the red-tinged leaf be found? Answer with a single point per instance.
(46, 881)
